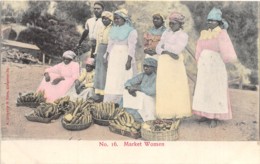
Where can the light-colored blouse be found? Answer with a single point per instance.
(130, 41)
(173, 42)
(216, 40)
(147, 83)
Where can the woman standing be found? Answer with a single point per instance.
(153, 36)
(59, 78)
(120, 56)
(101, 68)
(172, 90)
(214, 49)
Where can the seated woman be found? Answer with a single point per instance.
(84, 85)
(59, 78)
(139, 96)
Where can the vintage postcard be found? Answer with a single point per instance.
(85, 79)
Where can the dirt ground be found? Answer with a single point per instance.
(23, 78)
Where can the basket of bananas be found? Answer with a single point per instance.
(125, 125)
(160, 130)
(44, 113)
(104, 112)
(30, 99)
(79, 117)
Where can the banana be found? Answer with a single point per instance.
(132, 120)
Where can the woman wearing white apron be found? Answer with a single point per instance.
(120, 56)
(214, 49)
(172, 90)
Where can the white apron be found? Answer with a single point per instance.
(117, 75)
(211, 87)
(144, 104)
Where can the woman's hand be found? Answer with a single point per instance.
(150, 52)
(128, 63)
(173, 55)
(57, 80)
(105, 57)
(47, 77)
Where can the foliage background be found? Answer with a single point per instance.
(56, 26)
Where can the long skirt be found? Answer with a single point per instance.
(143, 104)
(84, 94)
(53, 92)
(117, 75)
(211, 98)
(172, 89)
(100, 70)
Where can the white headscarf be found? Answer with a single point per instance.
(69, 54)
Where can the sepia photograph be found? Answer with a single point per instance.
(95, 72)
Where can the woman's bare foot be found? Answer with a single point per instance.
(213, 123)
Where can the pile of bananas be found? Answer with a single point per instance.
(79, 112)
(46, 110)
(162, 125)
(105, 111)
(125, 121)
(31, 97)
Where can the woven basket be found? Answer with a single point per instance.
(29, 117)
(101, 122)
(75, 126)
(125, 133)
(168, 135)
(28, 104)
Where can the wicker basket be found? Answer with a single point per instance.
(29, 117)
(125, 133)
(29, 104)
(101, 122)
(168, 135)
(75, 126)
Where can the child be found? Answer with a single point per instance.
(83, 87)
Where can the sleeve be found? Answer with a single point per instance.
(226, 47)
(75, 71)
(179, 44)
(132, 40)
(82, 75)
(86, 25)
(136, 80)
(110, 45)
(150, 90)
(198, 50)
(54, 69)
(145, 41)
(159, 48)
(97, 40)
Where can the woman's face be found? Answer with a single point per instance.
(148, 70)
(119, 20)
(157, 21)
(212, 24)
(106, 21)
(66, 60)
(174, 25)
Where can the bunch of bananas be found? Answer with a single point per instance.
(46, 110)
(105, 111)
(79, 112)
(125, 121)
(36, 97)
(162, 125)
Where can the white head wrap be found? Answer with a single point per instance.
(69, 54)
